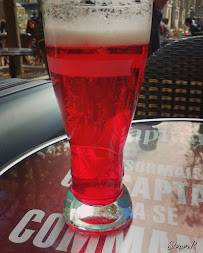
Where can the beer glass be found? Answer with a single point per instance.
(96, 52)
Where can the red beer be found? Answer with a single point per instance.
(97, 90)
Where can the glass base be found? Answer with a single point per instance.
(98, 219)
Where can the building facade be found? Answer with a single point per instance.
(177, 10)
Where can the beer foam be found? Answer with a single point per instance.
(82, 26)
(61, 36)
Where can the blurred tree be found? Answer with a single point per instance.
(39, 6)
(13, 32)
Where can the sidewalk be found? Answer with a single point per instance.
(31, 72)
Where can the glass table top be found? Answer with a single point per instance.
(163, 164)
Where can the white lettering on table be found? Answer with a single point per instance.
(197, 194)
(78, 242)
(67, 238)
(150, 168)
(39, 239)
(34, 215)
(179, 172)
(138, 211)
(200, 136)
(133, 241)
(141, 187)
(126, 178)
(139, 167)
(146, 136)
(92, 244)
(160, 218)
(189, 174)
(197, 174)
(137, 134)
(109, 243)
(67, 179)
(172, 213)
(165, 170)
(150, 135)
(161, 187)
(159, 240)
(181, 192)
(129, 165)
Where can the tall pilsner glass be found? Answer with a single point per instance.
(97, 52)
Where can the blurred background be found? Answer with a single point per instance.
(170, 26)
(175, 11)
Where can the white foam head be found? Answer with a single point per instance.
(97, 25)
